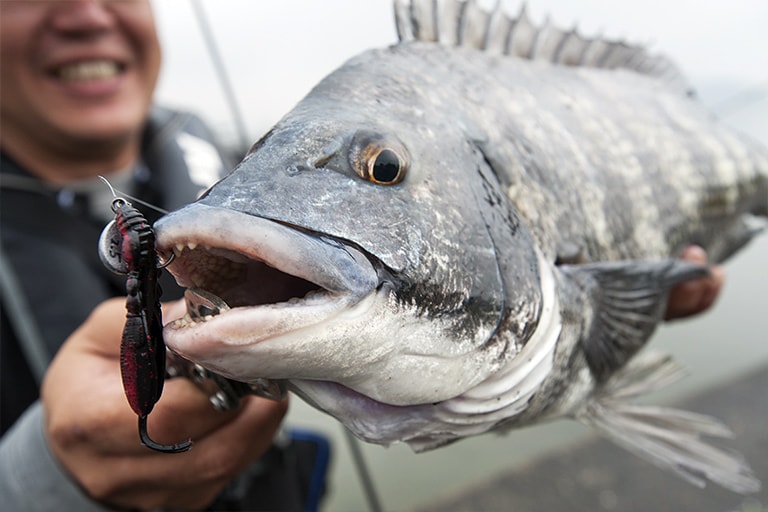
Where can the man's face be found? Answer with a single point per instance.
(76, 69)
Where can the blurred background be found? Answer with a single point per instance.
(274, 51)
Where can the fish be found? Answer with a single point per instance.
(474, 229)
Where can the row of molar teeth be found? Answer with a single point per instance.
(187, 320)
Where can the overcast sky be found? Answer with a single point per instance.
(276, 50)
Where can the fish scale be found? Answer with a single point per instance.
(512, 262)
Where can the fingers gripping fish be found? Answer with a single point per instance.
(472, 230)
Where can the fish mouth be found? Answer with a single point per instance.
(219, 279)
(250, 280)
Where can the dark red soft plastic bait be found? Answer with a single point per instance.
(127, 246)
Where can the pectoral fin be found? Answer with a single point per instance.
(627, 302)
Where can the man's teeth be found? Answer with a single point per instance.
(90, 70)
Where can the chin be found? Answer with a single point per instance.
(97, 125)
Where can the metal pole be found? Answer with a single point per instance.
(362, 469)
(221, 72)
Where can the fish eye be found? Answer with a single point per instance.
(385, 168)
(378, 159)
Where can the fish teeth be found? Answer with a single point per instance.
(190, 321)
(180, 247)
(184, 321)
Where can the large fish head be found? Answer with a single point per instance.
(352, 249)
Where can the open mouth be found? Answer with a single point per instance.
(218, 280)
(250, 279)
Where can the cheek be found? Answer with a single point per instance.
(17, 79)
(138, 24)
(14, 36)
(21, 26)
(149, 61)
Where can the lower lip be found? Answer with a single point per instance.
(96, 88)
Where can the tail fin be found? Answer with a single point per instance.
(668, 438)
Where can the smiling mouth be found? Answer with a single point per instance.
(88, 71)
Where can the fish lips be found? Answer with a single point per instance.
(265, 277)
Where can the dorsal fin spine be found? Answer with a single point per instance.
(497, 24)
(466, 23)
(503, 26)
(520, 34)
(537, 39)
(571, 44)
(449, 23)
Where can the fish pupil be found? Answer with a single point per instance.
(386, 167)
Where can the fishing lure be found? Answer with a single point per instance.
(127, 246)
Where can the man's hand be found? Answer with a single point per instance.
(693, 297)
(93, 432)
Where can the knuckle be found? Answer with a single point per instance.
(66, 434)
(97, 487)
(221, 465)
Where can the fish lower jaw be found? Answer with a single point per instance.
(220, 340)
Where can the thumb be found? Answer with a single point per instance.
(102, 331)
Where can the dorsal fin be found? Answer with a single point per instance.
(466, 23)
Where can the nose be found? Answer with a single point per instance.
(81, 17)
